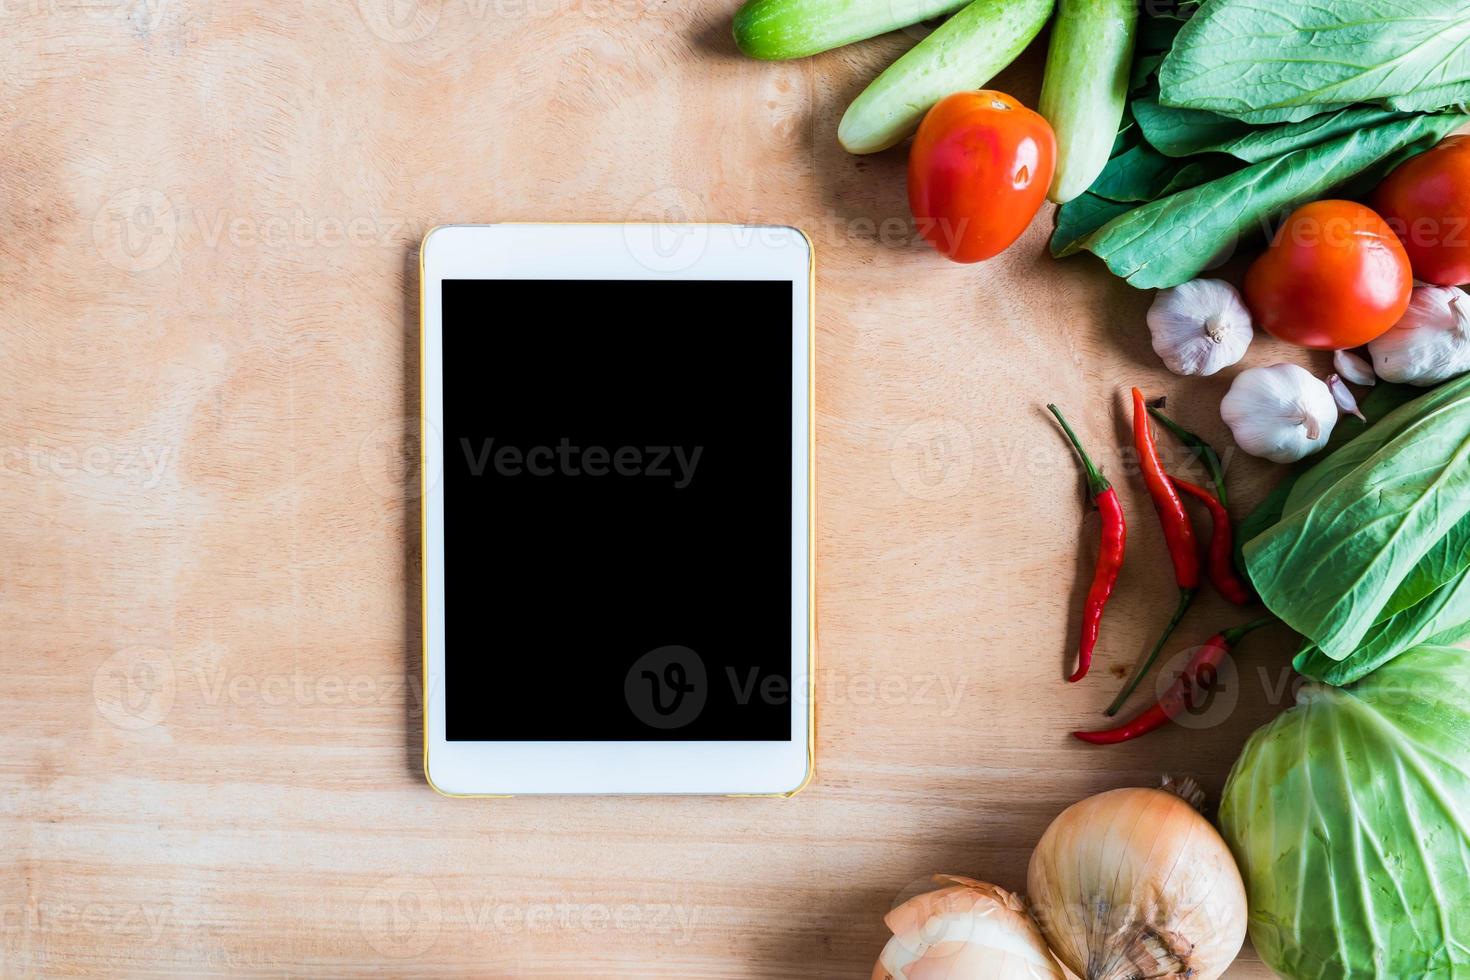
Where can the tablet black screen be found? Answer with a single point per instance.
(617, 510)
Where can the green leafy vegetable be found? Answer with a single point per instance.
(1267, 513)
(1134, 175)
(1355, 526)
(1440, 566)
(1391, 424)
(1195, 90)
(1142, 173)
(1080, 217)
(1350, 818)
(1382, 400)
(1179, 132)
(1430, 605)
(1184, 132)
(1441, 617)
(1173, 239)
(1265, 61)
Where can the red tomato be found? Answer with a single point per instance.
(1426, 201)
(1334, 276)
(978, 172)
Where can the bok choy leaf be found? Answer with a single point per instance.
(1265, 61)
(1174, 238)
(1360, 525)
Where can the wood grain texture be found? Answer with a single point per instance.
(208, 573)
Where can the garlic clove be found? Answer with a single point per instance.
(1353, 368)
(1344, 398)
(1430, 343)
(1281, 412)
(1200, 326)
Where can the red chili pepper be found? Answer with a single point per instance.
(1202, 450)
(1197, 677)
(1110, 551)
(1222, 546)
(1178, 531)
(1178, 535)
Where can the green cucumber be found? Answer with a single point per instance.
(774, 30)
(964, 52)
(1086, 86)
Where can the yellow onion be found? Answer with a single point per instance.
(968, 931)
(1136, 883)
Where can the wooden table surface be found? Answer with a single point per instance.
(208, 573)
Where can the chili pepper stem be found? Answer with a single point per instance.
(1186, 598)
(1096, 482)
(1202, 449)
(1232, 636)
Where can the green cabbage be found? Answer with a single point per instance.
(1350, 818)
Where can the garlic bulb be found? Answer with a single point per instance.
(1281, 412)
(1430, 343)
(1135, 883)
(968, 931)
(1200, 326)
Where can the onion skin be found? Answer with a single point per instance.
(970, 930)
(1135, 883)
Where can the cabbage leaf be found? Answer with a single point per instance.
(1350, 818)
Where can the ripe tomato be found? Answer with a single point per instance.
(1426, 201)
(978, 172)
(1334, 276)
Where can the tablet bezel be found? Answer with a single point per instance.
(618, 251)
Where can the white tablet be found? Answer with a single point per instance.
(617, 519)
